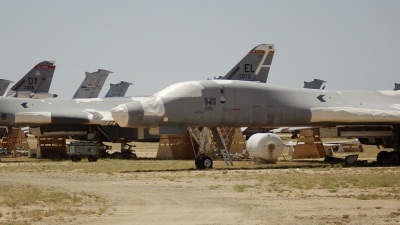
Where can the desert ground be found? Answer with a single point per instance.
(111, 191)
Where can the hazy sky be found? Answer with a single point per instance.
(153, 44)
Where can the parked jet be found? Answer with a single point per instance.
(4, 85)
(84, 116)
(118, 90)
(373, 115)
(92, 84)
(36, 83)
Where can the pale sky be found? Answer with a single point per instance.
(153, 44)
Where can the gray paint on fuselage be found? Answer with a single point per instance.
(278, 106)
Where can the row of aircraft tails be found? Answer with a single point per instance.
(241, 98)
(36, 84)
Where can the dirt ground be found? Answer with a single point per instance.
(218, 196)
(209, 197)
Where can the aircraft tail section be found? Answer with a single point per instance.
(38, 79)
(118, 90)
(315, 84)
(92, 84)
(4, 85)
(254, 66)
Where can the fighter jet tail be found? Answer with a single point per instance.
(4, 85)
(38, 79)
(254, 66)
(92, 84)
(118, 90)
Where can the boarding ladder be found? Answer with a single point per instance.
(221, 144)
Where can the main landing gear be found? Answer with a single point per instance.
(203, 162)
(388, 158)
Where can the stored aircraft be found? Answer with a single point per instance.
(372, 116)
(81, 116)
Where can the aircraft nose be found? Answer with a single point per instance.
(128, 114)
(121, 115)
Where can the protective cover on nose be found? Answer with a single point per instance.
(130, 114)
(120, 115)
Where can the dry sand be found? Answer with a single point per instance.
(209, 197)
(214, 196)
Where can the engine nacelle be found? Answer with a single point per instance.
(265, 147)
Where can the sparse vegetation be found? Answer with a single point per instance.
(35, 204)
(240, 187)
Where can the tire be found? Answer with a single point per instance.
(79, 159)
(91, 158)
(206, 162)
(74, 158)
(394, 158)
(197, 163)
(382, 155)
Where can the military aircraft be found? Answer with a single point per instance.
(81, 116)
(36, 83)
(92, 84)
(118, 90)
(372, 116)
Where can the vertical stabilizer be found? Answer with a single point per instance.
(4, 85)
(396, 87)
(38, 79)
(254, 66)
(315, 84)
(92, 84)
(118, 90)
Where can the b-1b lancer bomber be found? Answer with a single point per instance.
(373, 116)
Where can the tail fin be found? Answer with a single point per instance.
(396, 87)
(315, 84)
(254, 66)
(118, 90)
(38, 79)
(4, 85)
(92, 84)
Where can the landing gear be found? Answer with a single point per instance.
(394, 157)
(388, 158)
(203, 162)
(75, 158)
(92, 158)
(382, 155)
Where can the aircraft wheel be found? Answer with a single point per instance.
(197, 162)
(394, 157)
(206, 162)
(74, 158)
(92, 158)
(382, 155)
